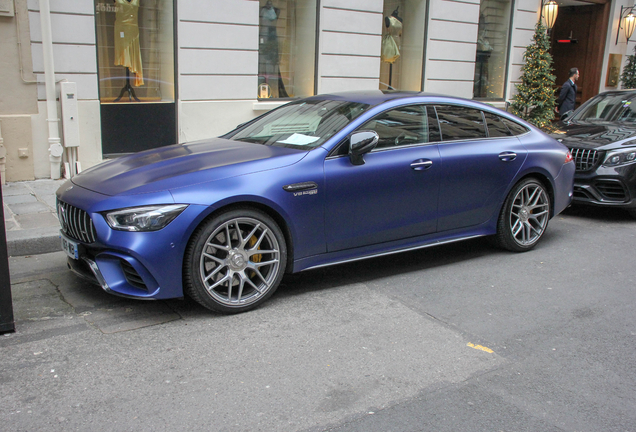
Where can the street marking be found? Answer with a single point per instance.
(479, 347)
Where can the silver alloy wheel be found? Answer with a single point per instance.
(240, 261)
(529, 214)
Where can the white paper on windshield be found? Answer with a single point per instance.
(299, 139)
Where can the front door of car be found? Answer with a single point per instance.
(394, 194)
(478, 168)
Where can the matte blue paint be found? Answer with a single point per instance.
(383, 206)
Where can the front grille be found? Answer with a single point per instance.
(76, 223)
(585, 159)
(132, 276)
(611, 190)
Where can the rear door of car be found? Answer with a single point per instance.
(394, 194)
(480, 158)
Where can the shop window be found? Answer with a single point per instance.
(287, 48)
(402, 50)
(491, 61)
(135, 50)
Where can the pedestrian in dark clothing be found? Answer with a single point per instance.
(567, 97)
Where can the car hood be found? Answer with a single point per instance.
(183, 165)
(595, 135)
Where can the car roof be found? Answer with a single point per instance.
(376, 97)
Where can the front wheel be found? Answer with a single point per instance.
(524, 216)
(235, 261)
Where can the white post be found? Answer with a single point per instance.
(55, 146)
(3, 157)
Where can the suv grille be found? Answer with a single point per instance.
(585, 159)
(76, 223)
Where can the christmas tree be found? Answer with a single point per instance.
(535, 100)
(628, 77)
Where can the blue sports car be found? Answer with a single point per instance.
(319, 181)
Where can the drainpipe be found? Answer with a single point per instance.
(55, 147)
(3, 158)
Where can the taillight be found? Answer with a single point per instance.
(568, 157)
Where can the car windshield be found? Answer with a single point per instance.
(304, 124)
(609, 107)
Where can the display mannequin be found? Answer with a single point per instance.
(268, 60)
(391, 40)
(127, 50)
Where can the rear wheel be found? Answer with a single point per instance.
(524, 217)
(235, 261)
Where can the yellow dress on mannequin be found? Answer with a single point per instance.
(127, 52)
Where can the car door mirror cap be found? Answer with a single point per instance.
(361, 143)
(567, 115)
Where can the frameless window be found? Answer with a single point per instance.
(460, 123)
(515, 128)
(400, 126)
(302, 124)
(496, 126)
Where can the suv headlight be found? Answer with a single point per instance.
(148, 218)
(620, 157)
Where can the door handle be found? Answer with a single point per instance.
(507, 156)
(421, 164)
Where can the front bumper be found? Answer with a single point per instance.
(610, 187)
(141, 265)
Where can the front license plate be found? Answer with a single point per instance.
(70, 247)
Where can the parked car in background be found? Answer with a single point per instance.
(319, 181)
(601, 134)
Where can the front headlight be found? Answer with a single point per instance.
(620, 157)
(148, 218)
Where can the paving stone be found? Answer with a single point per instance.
(11, 189)
(20, 199)
(36, 220)
(26, 208)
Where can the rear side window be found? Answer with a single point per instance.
(460, 123)
(496, 126)
(515, 128)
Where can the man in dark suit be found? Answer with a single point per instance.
(567, 97)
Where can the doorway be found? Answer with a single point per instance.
(578, 40)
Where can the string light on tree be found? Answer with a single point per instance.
(535, 100)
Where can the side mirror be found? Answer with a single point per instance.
(567, 115)
(361, 143)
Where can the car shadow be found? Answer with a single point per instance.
(604, 214)
(371, 269)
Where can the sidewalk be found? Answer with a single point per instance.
(30, 217)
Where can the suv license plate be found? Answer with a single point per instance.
(70, 247)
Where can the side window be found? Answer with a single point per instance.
(496, 126)
(400, 126)
(460, 123)
(515, 128)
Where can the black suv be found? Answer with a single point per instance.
(601, 134)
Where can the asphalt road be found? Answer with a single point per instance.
(462, 337)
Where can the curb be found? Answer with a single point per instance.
(32, 242)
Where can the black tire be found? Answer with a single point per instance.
(524, 216)
(235, 261)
